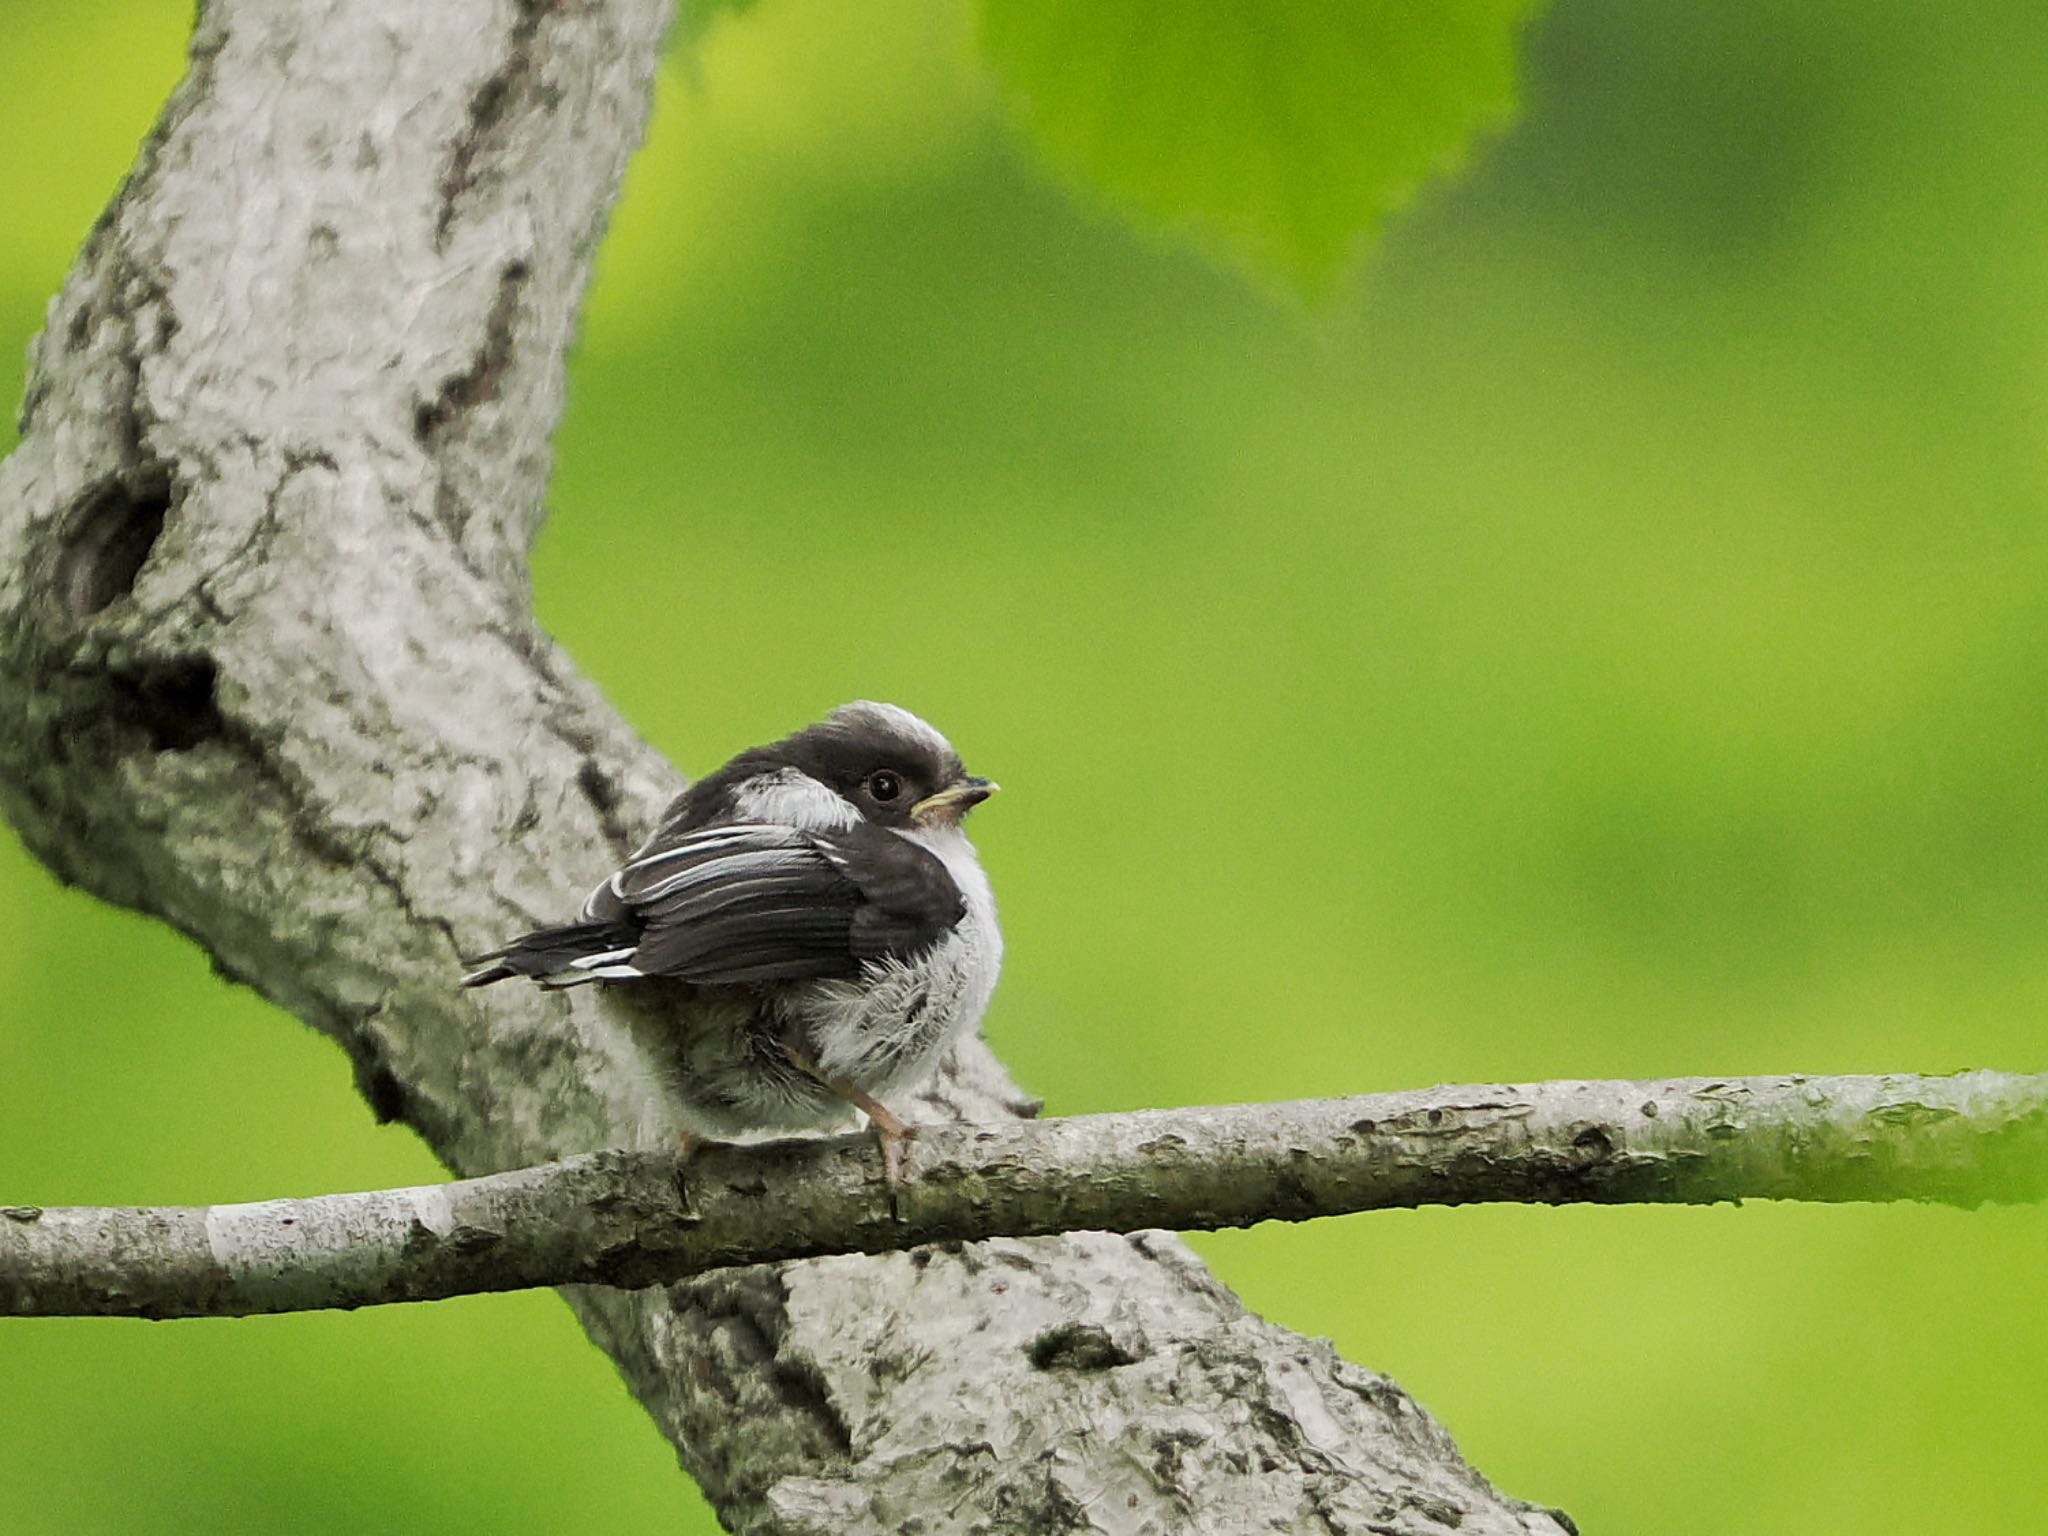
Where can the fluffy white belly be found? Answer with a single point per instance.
(890, 1028)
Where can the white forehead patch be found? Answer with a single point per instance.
(869, 714)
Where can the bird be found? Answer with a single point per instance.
(819, 919)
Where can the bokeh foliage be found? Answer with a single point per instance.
(1611, 640)
(1276, 132)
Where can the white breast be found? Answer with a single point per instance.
(889, 1029)
(979, 938)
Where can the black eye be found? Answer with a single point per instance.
(884, 785)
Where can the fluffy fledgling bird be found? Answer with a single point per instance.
(821, 905)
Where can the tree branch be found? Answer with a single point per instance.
(617, 1218)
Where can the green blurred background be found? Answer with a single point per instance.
(1611, 640)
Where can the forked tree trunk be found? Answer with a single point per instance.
(268, 669)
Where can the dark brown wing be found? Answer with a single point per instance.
(750, 902)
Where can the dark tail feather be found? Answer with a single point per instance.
(550, 954)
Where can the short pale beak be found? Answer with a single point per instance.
(954, 801)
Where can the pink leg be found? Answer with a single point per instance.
(890, 1130)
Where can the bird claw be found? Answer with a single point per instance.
(892, 1134)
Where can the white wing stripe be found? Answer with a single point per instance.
(585, 962)
(717, 871)
(714, 839)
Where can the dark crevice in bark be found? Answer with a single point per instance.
(112, 533)
(602, 791)
(1078, 1347)
(478, 382)
(381, 1087)
(298, 460)
(493, 103)
(172, 702)
(803, 1386)
(741, 1315)
(99, 712)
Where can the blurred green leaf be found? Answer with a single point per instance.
(1277, 133)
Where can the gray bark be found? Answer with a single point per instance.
(268, 670)
(619, 1218)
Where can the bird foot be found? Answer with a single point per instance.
(890, 1130)
(892, 1134)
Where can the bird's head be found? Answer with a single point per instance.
(892, 767)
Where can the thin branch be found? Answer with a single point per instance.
(619, 1218)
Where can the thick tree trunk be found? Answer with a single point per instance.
(268, 669)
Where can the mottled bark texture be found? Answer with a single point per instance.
(268, 669)
(618, 1218)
